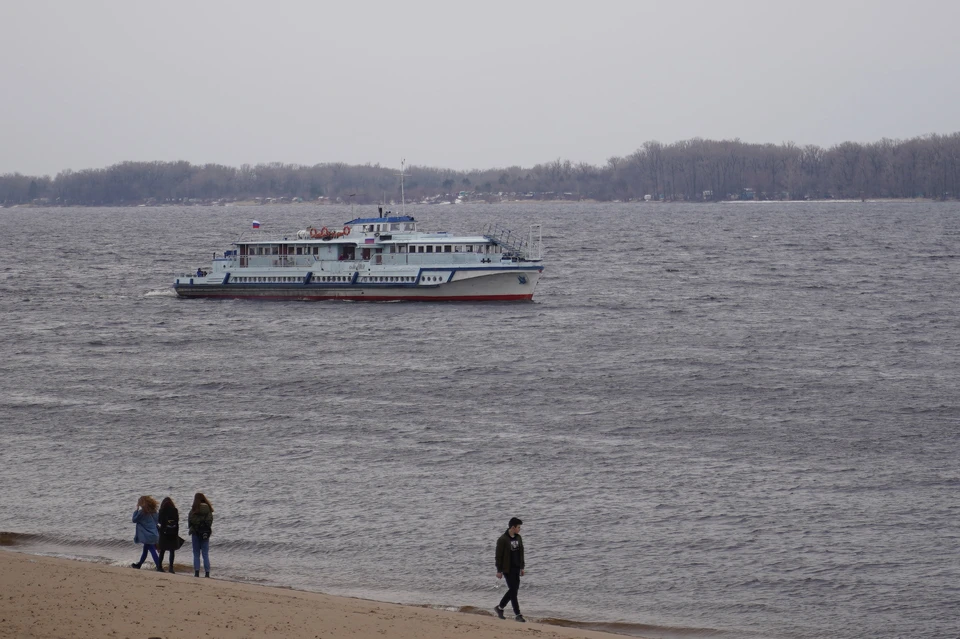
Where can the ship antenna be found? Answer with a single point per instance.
(403, 202)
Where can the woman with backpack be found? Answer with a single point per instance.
(145, 517)
(201, 527)
(169, 530)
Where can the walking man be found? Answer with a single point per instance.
(510, 565)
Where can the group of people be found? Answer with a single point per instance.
(158, 528)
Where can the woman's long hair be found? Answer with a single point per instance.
(167, 503)
(148, 504)
(198, 499)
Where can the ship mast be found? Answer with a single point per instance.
(403, 202)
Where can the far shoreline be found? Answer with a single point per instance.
(254, 204)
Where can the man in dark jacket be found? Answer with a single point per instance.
(510, 565)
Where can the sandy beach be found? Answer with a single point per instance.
(50, 597)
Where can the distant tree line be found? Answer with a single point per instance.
(693, 170)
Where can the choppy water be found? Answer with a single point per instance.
(724, 420)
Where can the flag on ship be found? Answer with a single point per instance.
(368, 240)
(256, 224)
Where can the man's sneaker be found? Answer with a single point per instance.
(520, 618)
(499, 611)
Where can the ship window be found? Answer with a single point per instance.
(439, 249)
(447, 249)
(367, 228)
(408, 226)
(470, 248)
(429, 249)
(394, 227)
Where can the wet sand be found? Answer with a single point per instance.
(49, 597)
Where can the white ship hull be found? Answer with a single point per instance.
(514, 284)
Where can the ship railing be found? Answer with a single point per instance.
(514, 244)
(390, 259)
(276, 261)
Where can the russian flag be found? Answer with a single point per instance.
(256, 224)
(368, 240)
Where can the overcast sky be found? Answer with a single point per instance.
(89, 83)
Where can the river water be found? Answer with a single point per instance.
(727, 420)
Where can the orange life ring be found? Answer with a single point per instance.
(324, 231)
(346, 231)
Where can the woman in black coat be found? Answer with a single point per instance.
(169, 524)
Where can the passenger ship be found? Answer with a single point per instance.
(384, 258)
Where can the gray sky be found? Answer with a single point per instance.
(89, 83)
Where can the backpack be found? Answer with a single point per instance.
(202, 530)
